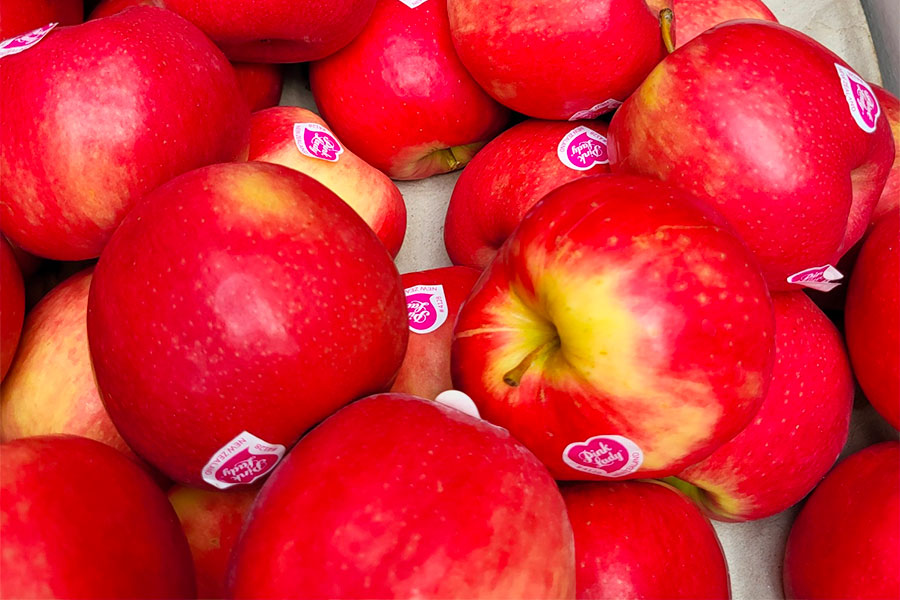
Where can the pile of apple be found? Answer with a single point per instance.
(235, 393)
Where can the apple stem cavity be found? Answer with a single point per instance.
(666, 20)
(514, 376)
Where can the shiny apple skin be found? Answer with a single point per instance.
(239, 297)
(82, 521)
(751, 117)
(643, 314)
(396, 497)
(845, 542)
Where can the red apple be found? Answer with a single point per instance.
(642, 539)
(399, 97)
(398, 497)
(82, 521)
(105, 112)
(260, 83)
(299, 139)
(509, 175)
(12, 306)
(890, 195)
(798, 432)
(212, 521)
(872, 317)
(21, 16)
(51, 386)
(696, 16)
(565, 59)
(235, 307)
(753, 118)
(433, 299)
(622, 331)
(846, 541)
(266, 31)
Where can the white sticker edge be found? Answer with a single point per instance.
(41, 32)
(845, 76)
(414, 3)
(245, 439)
(300, 128)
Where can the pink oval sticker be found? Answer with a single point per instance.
(427, 307)
(860, 98)
(241, 461)
(582, 148)
(605, 455)
(315, 141)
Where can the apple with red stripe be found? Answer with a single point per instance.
(643, 539)
(300, 139)
(623, 330)
(845, 542)
(212, 521)
(433, 299)
(237, 306)
(77, 157)
(509, 175)
(266, 31)
(696, 16)
(396, 496)
(399, 97)
(559, 59)
(890, 195)
(51, 387)
(798, 432)
(82, 521)
(772, 129)
(872, 317)
(260, 84)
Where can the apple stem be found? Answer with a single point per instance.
(666, 19)
(514, 376)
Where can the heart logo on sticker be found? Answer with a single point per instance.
(582, 148)
(604, 455)
(315, 141)
(426, 306)
(246, 467)
(860, 99)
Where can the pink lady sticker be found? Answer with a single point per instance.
(413, 3)
(596, 110)
(243, 460)
(606, 455)
(824, 278)
(315, 141)
(582, 148)
(860, 98)
(427, 307)
(23, 42)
